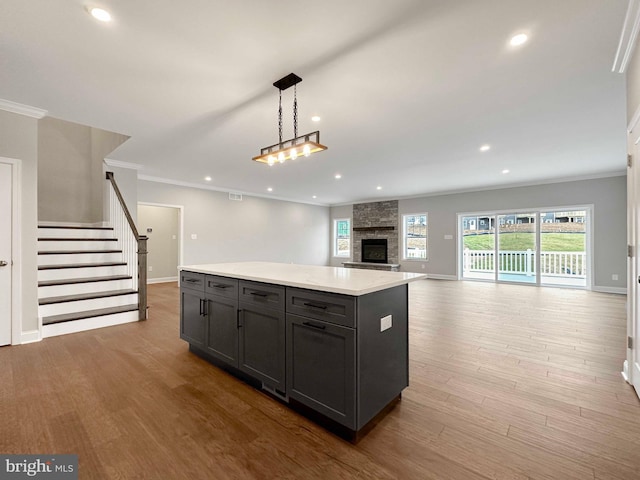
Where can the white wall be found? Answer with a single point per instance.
(19, 140)
(608, 195)
(255, 229)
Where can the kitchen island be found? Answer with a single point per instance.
(331, 340)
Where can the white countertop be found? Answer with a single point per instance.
(348, 281)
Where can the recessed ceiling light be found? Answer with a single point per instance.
(315, 118)
(378, 187)
(518, 39)
(338, 176)
(315, 196)
(505, 171)
(100, 14)
(485, 148)
(269, 189)
(208, 178)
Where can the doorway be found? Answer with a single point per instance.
(163, 225)
(548, 247)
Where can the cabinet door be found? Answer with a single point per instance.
(192, 320)
(222, 331)
(321, 367)
(262, 344)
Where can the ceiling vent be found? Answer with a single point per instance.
(235, 196)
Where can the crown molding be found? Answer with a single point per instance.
(628, 37)
(21, 109)
(119, 164)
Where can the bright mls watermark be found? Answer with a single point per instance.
(44, 467)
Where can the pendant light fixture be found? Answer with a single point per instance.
(298, 146)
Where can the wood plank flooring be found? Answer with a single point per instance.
(507, 382)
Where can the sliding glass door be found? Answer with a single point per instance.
(517, 247)
(563, 247)
(540, 247)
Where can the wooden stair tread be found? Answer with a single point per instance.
(70, 281)
(66, 252)
(69, 227)
(85, 296)
(81, 265)
(68, 317)
(76, 239)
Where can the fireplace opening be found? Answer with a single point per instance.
(374, 250)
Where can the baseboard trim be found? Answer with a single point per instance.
(437, 276)
(625, 371)
(161, 280)
(616, 290)
(30, 336)
(76, 326)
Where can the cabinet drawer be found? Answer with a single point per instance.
(267, 295)
(194, 281)
(221, 286)
(330, 307)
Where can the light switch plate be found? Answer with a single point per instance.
(448, 237)
(194, 236)
(386, 322)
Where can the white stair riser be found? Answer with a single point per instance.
(70, 258)
(89, 324)
(76, 288)
(85, 272)
(68, 245)
(85, 305)
(74, 233)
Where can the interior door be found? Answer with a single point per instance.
(6, 209)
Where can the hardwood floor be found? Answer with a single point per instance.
(506, 382)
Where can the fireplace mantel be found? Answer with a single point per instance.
(372, 229)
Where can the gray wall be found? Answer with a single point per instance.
(255, 229)
(608, 195)
(70, 181)
(339, 212)
(19, 140)
(163, 244)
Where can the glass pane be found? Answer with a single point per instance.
(563, 252)
(343, 238)
(478, 245)
(517, 247)
(415, 228)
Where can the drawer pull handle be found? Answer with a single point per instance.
(313, 305)
(309, 324)
(219, 285)
(192, 280)
(259, 294)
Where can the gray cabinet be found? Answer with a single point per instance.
(346, 357)
(262, 333)
(321, 360)
(192, 308)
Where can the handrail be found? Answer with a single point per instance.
(132, 224)
(135, 240)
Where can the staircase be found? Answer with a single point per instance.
(83, 280)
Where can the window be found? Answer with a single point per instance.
(342, 237)
(415, 236)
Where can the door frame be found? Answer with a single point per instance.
(180, 227)
(16, 249)
(629, 370)
(588, 208)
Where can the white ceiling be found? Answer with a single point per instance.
(408, 90)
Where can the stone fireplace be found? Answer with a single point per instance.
(376, 221)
